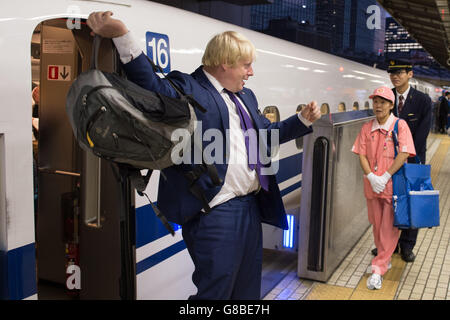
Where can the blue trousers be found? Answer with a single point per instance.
(226, 248)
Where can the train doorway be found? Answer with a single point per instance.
(84, 218)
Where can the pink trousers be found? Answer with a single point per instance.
(381, 216)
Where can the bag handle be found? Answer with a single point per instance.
(95, 50)
(395, 138)
(139, 182)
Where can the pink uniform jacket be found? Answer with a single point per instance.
(376, 143)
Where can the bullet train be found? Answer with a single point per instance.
(66, 217)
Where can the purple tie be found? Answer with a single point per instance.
(246, 125)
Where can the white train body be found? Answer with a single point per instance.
(286, 75)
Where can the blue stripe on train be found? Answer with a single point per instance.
(18, 273)
(290, 188)
(160, 256)
(289, 167)
(148, 226)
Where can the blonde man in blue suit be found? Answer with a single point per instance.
(226, 243)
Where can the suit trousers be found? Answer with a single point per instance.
(226, 248)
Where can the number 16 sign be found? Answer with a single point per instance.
(158, 49)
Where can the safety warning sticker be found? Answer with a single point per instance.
(59, 73)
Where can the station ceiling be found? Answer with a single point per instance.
(427, 21)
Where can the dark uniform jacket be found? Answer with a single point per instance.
(417, 113)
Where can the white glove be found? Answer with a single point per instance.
(385, 178)
(376, 183)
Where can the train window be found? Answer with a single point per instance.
(324, 108)
(272, 113)
(299, 141)
(366, 105)
(341, 107)
(355, 105)
(300, 107)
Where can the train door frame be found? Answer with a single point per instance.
(112, 221)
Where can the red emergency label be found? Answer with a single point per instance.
(59, 72)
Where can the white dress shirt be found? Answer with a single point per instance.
(239, 179)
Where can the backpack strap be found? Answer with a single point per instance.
(192, 177)
(213, 174)
(139, 182)
(95, 49)
(395, 138)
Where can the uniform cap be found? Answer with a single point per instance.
(395, 65)
(383, 92)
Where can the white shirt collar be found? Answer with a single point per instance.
(213, 81)
(404, 94)
(386, 126)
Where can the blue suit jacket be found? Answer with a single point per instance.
(417, 113)
(174, 198)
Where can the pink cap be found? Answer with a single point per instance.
(384, 92)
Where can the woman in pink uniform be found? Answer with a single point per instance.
(375, 147)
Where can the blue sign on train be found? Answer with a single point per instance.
(158, 49)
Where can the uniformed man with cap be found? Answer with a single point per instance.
(414, 107)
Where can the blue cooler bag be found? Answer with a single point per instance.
(424, 212)
(416, 203)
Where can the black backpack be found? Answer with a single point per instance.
(117, 120)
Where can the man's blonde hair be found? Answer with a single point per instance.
(228, 48)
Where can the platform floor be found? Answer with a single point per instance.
(427, 278)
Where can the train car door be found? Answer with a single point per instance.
(83, 230)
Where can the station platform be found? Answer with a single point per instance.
(427, 278)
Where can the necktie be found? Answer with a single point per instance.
(250, 144)
(400, 104)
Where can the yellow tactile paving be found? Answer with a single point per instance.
(439, 157)
(391, 280)
(398, 265)
(323, 291)
(387, 291)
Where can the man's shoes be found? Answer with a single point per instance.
(408, 255)
(375, 250)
